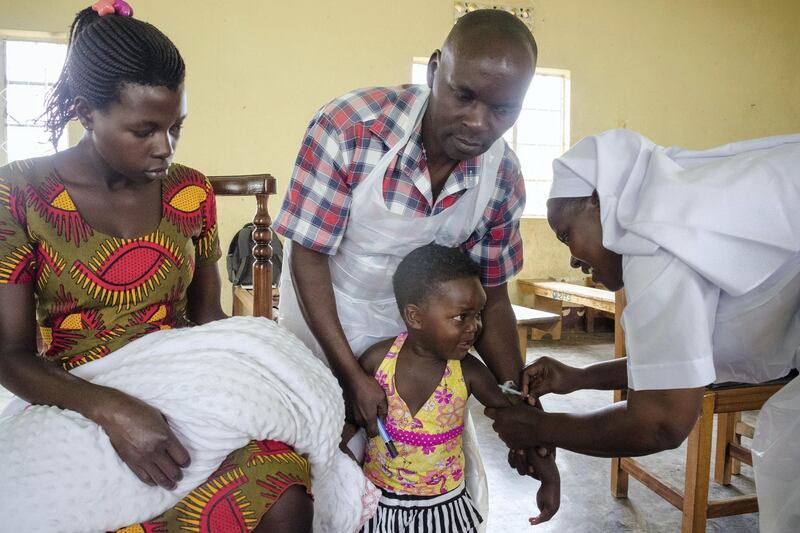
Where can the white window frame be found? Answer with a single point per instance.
(19, 35)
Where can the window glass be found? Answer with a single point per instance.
(29, 69)
(34, 62)
(419, 73)
(25, 141)
(536, 126)
(25, 103)
(537, 161)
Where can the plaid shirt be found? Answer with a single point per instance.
(343, 143)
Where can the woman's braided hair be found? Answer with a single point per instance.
(105, 53)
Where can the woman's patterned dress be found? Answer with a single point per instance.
(95, 293)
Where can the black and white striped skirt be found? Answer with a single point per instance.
(452, 512)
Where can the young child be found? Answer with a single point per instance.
(428, 375)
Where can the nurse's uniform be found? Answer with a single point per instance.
(375, 242)
(711, 265)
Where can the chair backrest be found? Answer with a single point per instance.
(260, 186)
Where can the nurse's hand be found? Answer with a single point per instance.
(366, 401)
(546, 375)
(516, 425)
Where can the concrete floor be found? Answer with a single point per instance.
(586, 501)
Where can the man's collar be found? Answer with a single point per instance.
(386, 126)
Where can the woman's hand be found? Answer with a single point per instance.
(366, 401)
(547, 375)
(142, 438)
(516, 426)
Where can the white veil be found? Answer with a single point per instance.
(732, 213)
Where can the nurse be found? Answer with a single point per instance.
(385, 170)
(707, 247)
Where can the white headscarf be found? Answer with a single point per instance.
(732, 213)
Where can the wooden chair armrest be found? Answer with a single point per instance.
(244, 185)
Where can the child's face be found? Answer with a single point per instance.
(450, 319)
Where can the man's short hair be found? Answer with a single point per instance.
(482, 22)
(421, 272)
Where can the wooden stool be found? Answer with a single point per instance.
(533, 319)
(726, 400)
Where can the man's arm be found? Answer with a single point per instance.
(650, 421)
(498, 343)
(499, 252)
(312, 281)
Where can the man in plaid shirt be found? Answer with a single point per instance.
(476, 86)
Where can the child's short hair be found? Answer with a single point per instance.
(421, 272)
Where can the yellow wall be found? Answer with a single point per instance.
(689, 72)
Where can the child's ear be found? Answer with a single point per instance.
(412, 315)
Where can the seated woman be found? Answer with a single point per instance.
(109, 241)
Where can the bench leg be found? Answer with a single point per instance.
(551, 306)
(591, 315)
(698, 470)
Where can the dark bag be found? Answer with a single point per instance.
(240, 257)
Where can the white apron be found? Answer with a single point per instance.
(375, 242)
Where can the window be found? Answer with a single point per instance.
(28, 69)
(540, 134)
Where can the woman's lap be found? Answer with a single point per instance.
(237, 495)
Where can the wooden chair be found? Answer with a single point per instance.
(260, 186)
(726, 401)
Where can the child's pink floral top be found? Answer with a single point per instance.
(430, 460)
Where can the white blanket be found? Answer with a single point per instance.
(219, 385)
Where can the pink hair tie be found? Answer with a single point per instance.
(118, 7)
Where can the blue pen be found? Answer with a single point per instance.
(387, 439)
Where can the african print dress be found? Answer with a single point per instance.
(95, 293)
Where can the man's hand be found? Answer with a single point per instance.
(142, 438)
(516, 425)
(546, 375)
(366, 401)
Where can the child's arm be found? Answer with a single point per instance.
(482, 384)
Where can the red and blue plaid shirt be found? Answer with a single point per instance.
(343, 143)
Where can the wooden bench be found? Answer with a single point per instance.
(529, 320)
(552, 295)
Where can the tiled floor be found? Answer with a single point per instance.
(586, 501)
